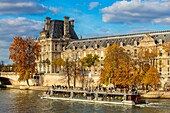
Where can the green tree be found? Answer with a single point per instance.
(87, 62)
(67, 68)
(23, 52)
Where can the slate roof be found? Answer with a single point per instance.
(56, 30)
(127, 39)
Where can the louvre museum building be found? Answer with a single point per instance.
(59, 39)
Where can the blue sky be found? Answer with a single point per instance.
(92, 18)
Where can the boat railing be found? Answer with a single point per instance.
(65, 89)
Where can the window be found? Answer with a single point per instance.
(160, 69)
(55, 46)
(160, 52)
(168, 53)
(135, 52)
(168, 69)
(168, 62)
(160, 62)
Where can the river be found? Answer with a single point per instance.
(28, 101)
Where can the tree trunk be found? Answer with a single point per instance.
(83, 81)
(28, 82)
(68, 81)
(74, 81)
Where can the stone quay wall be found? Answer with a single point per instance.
(49, 79)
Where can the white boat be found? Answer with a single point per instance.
(94, 97)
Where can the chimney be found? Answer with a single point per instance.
(72, 23)
(66, 25)
(47, 23)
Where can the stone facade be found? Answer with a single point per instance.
(58, 38)
(55, 36)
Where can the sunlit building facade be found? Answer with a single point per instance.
(58, 38)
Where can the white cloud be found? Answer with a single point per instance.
(16, 7)
(93, 5)
(10, 27)
(54, 9)
(138, 11)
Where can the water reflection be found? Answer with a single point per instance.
(28, 101)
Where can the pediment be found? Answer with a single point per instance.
(147, 41)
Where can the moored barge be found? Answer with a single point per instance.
(122, 98)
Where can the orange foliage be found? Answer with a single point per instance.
(23, 52)
(152, 77)
(118, 66)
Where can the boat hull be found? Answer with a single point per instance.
(128, 102)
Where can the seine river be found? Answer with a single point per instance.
(28, 101)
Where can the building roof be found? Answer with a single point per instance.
(56, 30)
(126, 39)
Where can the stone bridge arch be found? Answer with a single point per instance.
(8, 78)
(6, 81)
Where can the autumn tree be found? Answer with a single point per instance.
(152, 77)
(147, 55)
(118, 67)
(23, 52)
(146, 59)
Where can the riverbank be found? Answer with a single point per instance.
(151, 95)
(157, 94)
(40, 88)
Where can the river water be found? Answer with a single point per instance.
(28, 101)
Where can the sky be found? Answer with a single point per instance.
(93, 18)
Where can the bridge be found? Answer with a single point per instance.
(11, 78)
(8, 78)
(5, 81)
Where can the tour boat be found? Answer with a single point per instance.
(94, 96)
